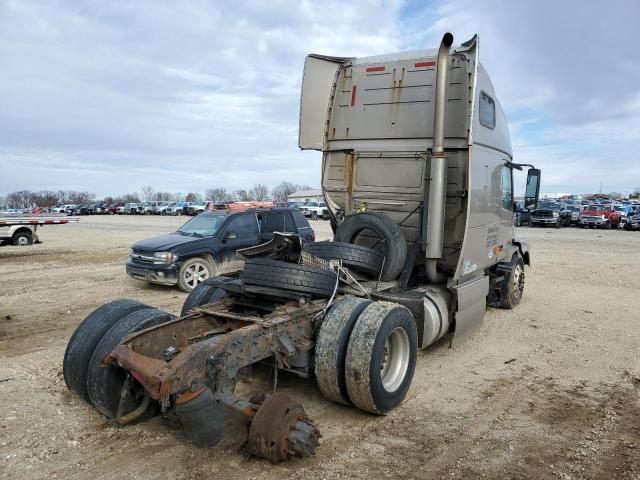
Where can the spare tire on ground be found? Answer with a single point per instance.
(265, 272)
(392, 241)
(355, 257)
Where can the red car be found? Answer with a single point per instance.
(599, 216)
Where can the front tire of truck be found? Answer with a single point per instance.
(514, 284)
(111, 391)
(314, 216)
(381, 357)
(22, 239)
(202, 295)
(331, 347)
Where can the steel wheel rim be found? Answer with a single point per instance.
(195, 274)
(23, 241)
(517, 277)
(395, 359)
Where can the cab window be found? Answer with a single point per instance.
(507, 190)
(487, 111)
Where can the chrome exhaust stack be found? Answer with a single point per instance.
(438, 172)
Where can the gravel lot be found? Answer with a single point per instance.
(549, 390)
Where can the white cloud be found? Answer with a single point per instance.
(195, 96)
(99, 95)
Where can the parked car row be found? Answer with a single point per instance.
(585, 214)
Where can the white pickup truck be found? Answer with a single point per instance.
(21, 230)
(315, 210)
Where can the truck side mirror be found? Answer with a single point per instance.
(532, 191)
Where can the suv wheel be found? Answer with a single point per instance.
(314, 216)
(192, 272)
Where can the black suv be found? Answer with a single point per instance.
(206, 245)
(550, 213)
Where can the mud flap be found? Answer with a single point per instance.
(472, 302)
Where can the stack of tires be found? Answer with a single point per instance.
(107, 388)
(384, 262)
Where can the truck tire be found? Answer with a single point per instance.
(331, 347)
(201, 295)
(314, 216)
(381, 357)
(84, 340)
(193, 272)
(355, 257)
(393, 241)
(512, 294)
(104, 385)
(264, 272)
(22, 239)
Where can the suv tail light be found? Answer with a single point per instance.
(313, 236)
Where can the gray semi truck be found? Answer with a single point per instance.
(417, 172)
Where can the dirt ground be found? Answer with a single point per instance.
(549, 390)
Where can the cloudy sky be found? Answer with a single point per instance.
(109, 96)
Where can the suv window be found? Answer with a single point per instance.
(278, 222)
(243, 225)
(300, 220)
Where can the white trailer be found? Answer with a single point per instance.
(21, 230)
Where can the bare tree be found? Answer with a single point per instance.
(259, 192)
(242, 195)
(130, 198)
(148, 193)
(219, 195)
(281, 192)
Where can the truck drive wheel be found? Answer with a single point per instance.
(381, 357)
(105, 384)
(192, 272)
(201, 295)
(392, 239)
(22, 239)
(84, 340)
(264, 272)
(331, 347)
(355, 257)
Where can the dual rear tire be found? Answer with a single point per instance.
(93, 340)
(366, 354)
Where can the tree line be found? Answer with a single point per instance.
(25, 199)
